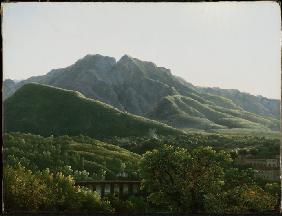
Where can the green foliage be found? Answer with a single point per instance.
(235, 177)
(127, 204)
(22, 190)
(180, 179)
(29, 110)
(81, 157)
(120, 205)
(265, 146)
(274, 188)
(33, 191)
(241, 199)
(140, 204)
(239, 132)
(201, 176)
(201, 180)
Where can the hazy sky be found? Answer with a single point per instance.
(227, 45)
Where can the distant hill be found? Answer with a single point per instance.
(255, 104)
(46, 110)
(186, 112)
(141, 87)
(9, 87)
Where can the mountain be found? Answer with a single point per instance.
(255, 104)
(9, 87)
(45, 110)
(127, 84)
(185, 112)
(141, 88)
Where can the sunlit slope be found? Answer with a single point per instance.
(255, 104)
(187, 112)
(66, 153)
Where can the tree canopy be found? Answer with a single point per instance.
(200, 180)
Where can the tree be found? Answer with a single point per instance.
(23, 191)
(180, 179)
(201, 180)
(33, 191)
(238, 177)
(240, 199)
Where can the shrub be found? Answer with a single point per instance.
(24, 190)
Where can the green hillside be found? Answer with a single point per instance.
(187, 112)
(46, 110)
(254, 104)
(80, 156)
(264, 143)
(221, 101)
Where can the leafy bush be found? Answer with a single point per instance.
(241, 199)
(82, 157)
(201, 180)
(119, 204)
(25, 190)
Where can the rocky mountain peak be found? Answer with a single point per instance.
(126, 57)
(97, 62)
(126, 60)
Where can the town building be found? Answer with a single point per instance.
(267, 168)
(121, 187)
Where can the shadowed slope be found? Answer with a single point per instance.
(46, 110)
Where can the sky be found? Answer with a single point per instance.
(231, 45)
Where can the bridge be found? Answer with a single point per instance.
(121, 187)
